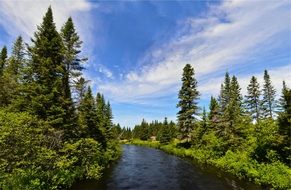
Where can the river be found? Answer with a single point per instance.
(144, 168)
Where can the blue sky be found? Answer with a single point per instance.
(137, 49)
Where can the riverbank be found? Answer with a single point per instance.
(276, 174)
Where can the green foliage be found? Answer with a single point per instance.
(284, 122)
(45, 142)
(253, 98)
(34, 156)
(188, 96)
(253, 148)
(164, 132)
(268, 101)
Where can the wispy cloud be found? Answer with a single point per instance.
(277, 75)
(22, 17)
(230, 35)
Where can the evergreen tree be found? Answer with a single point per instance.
(13, 73)
(88, 118)
(144, 131)
(72, 67)
(3, 60)
(224, 97)
(235, 107)
(108, 123)
(165, 135)
(269, 93)
(282, 101)
(17, 59)
(188, 96)
(284, 120)
(204, 121)
(253, 98)
(213, 116)
(3, 83)
(101, 110)
(46, 89)
(80, 89)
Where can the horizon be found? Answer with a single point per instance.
(143, 46)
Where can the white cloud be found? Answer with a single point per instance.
(228, 36)
(277, 75)
(22, 17)
(108, 73)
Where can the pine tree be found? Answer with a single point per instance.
(88, 118)
(46, 89)
(144, 131)
(213, 116)
(269, 93)
(284, 121)
(235, 107)
(232, 112)
(3, 85)
(3, 60)
(188, 96)
(16, 75)
(253, 98)
(72, 66)
(165, 135)
(224, 105)
(282, 101)
(17, 59)
(224, 97)
(204, 122)
(109, 124)
(80, 89)
(101, 110)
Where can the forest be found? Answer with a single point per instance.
(247, 136)
(53, 130)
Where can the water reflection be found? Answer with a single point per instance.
(146, 169)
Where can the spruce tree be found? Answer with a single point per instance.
(224, 97)
(3, 83)
(213, 116)
(253, 98)
(269, 93)
(17, 59)
(72, 66)
(3, 60)
(188, 96)
(235, 107)
(204, 121)
(224, 105)
(16, 74)
(109, 124)
(101, 110)
(284, 121)
(88, 118)
(46, 90)
(165, 135)
(80, 89)
(282, 101)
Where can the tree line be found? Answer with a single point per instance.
(256, 123)
(53, 130)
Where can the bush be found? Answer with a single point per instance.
(35, 156)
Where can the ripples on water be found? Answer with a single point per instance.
(148, 169)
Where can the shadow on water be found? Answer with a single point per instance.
(147, 169)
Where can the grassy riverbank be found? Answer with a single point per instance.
(237, 163)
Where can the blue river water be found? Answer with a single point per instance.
(144, 168)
